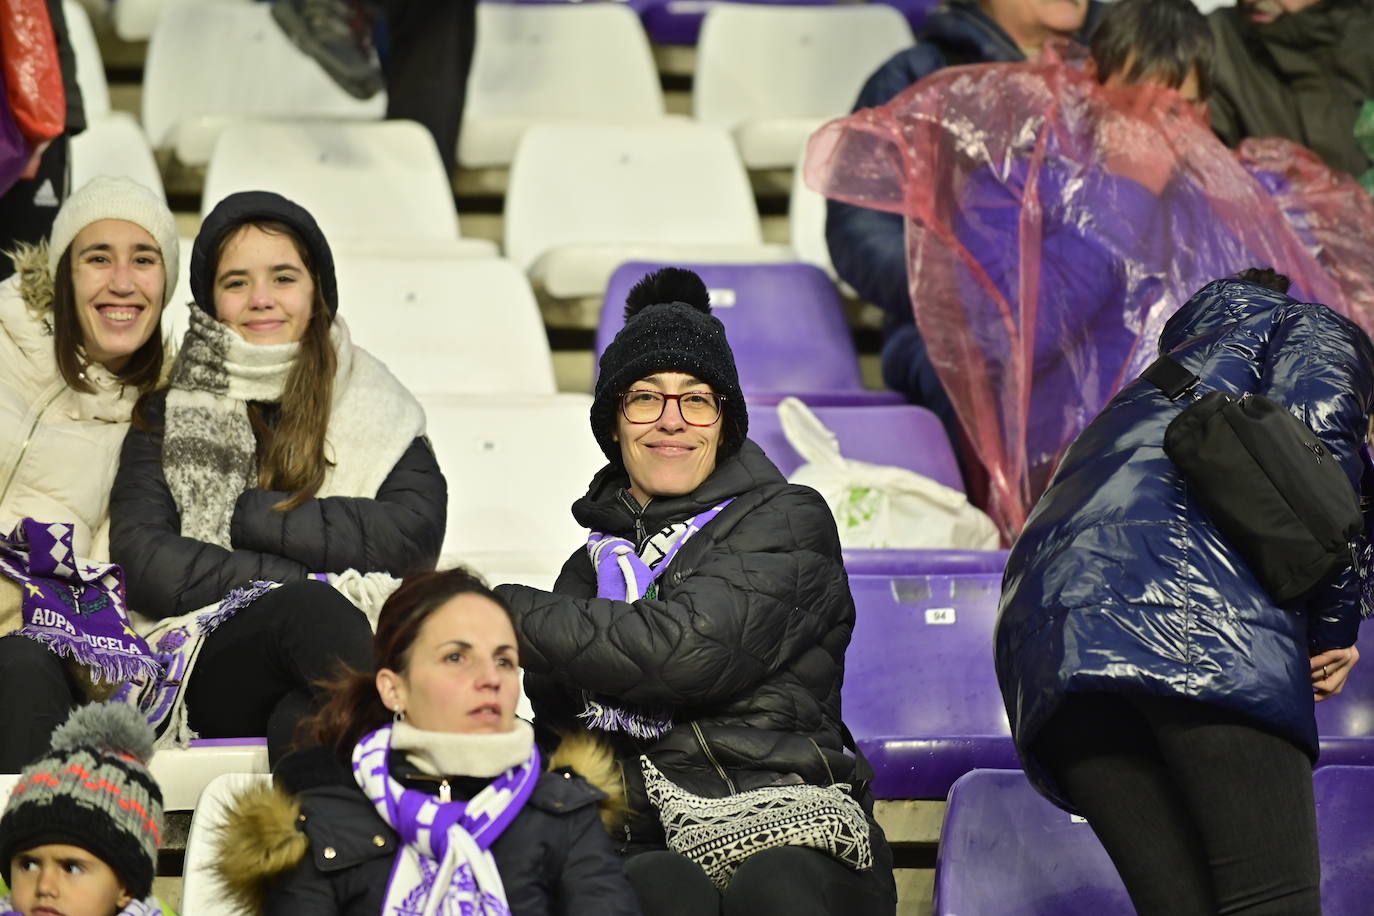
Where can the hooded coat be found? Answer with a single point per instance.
(744, 642)
(1120, 583)
(313, 844)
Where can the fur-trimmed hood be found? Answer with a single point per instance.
(263, 836)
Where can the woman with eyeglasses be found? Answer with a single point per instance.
(700, 633)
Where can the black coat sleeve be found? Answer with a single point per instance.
(756, 600)
(167, 574)
(400, 530)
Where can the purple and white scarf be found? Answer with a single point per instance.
(444, 866)
(622, 575)
(73, 606)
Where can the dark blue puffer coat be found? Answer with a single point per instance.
(1120, 583)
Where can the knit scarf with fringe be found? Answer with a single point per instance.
(622, 575)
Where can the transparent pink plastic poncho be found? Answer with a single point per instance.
(1054, 225)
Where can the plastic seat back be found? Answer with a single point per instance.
(549, 62)
(1006, 851)
(361, 181)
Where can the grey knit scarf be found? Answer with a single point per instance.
(209, 454)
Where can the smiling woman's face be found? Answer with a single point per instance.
(669, 456)
(118, 278)
(463, 671)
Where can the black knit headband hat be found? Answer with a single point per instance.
(251, 207)
(669, 328)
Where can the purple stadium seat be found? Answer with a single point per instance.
(786, 324)
(678, 22)
(924, 562)
(1005, 851)
(920, 692)
(1346, 721)
(902, 435)
(1345, 831)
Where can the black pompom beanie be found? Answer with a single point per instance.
(252, 207)
(669, 328)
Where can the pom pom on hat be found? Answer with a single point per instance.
(670, 284)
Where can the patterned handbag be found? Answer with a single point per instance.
(720, 833)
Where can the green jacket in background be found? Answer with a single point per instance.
(1303, 76)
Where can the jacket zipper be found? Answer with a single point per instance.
(706, 748)
(638, 512)
(28, 438)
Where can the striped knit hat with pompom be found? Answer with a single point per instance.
(92, 790)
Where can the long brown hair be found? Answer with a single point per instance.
(354, 707)
(144, 367)
(291, 450)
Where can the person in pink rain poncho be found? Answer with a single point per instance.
(1059, 211)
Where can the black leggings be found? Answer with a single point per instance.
(789, 881)
(1202, 812)
(37, 692)
(259, 672)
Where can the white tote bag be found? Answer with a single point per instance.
(878, 505)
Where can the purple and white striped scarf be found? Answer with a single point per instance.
(444, 866)
(73, 606)
(621, 575)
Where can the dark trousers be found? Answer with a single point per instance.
(1201, 812)
(261, 671)
(37, 693)
(789, 881)
(430, 46)
(28, 208)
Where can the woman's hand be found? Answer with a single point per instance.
(1330, 669)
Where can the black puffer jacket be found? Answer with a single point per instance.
(554, 858)
(398, 531)
(745, 640)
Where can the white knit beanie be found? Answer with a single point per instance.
(105, 197)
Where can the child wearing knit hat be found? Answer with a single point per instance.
(80, 832)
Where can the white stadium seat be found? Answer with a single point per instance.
(364, 182)
(135, 20)
(114, 145)
(553, 62)
(90, 69)
(183, 773)
(446, 325)
(584, 199)
(210, 64)
(774, 73)
(200, 890)
(514, 465)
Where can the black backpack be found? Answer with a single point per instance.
(1266, 481)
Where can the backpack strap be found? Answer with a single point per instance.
(1169, 376)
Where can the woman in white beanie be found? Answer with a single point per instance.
(79, 342)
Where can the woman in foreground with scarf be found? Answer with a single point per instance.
(79, 342)
(701, 633)
(423, 792)
(279, 455)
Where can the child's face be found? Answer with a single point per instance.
(60, 880)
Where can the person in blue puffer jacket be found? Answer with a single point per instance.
(1151, 683)
(868, 247)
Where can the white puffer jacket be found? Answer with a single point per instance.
(59, 448)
